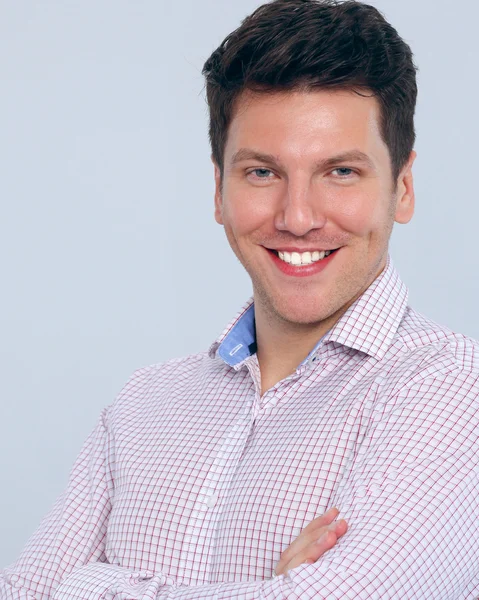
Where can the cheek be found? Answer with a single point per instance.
(244, 214)
(360, 213)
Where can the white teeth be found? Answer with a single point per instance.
(295, 259)
(306, 258)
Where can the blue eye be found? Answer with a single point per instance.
(343, 171)
(261, 173)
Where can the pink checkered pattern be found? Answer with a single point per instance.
(192, 484)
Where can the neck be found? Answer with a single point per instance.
(282, 345)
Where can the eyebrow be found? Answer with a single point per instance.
(356, 156)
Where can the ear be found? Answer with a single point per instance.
(218, 194)
(405, 193)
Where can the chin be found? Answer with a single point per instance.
(301, 312)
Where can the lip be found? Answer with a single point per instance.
(300, 250)
(306, 271)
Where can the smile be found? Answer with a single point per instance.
(302, 264)
(305, 258)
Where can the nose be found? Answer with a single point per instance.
(299, 210)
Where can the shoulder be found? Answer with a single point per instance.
(426, 397)
(428, 363)
(148, 386)
(421, 335)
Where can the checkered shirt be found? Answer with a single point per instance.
(192, 484)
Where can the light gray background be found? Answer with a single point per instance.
(110, 257)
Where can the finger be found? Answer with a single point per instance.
(341, 527)
(322, 520)
(311, 544)
(310, 554)
(304, 540)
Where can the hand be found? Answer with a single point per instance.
(313, 541)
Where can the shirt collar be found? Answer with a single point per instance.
(369, 325)
(238, 340)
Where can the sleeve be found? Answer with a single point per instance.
(73, 533)
(409, 496)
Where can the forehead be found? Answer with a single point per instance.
(297, 124)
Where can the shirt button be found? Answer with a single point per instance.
(212, 500)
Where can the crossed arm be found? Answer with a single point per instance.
(413, 531)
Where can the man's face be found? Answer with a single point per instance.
(305, 173)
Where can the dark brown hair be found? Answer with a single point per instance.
(308, 44)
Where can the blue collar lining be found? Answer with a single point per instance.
(240, 343)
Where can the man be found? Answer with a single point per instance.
(217, 475)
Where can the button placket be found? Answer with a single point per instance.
(208, 502)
